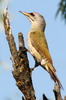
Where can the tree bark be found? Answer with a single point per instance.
(21, 70)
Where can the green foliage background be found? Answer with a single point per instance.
(62, 9)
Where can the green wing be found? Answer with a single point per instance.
(38, 41)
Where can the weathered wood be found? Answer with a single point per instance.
(21, 70)
(57, 92)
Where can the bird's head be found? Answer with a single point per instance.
(36, 19)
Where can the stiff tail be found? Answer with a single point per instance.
(55, 78)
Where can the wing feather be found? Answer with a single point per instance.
(38, 41)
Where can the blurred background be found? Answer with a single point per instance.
(54, 13)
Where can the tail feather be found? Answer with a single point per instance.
(55, 78)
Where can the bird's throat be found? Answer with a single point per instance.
(36, 27)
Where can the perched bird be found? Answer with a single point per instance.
(38, 45)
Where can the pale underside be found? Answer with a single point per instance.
(38, 48)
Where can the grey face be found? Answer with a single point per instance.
(37, 20)
(36, 17)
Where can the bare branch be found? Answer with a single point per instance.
(10, 38)
(24, 81)
(65, 98)
(57, 92)
(21, 72)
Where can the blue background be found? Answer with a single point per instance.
(56, 37)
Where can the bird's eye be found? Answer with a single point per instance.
(32, 14)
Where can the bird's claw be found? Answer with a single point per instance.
(31, 69)
(25, 49)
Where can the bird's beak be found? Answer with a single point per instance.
(24, 13)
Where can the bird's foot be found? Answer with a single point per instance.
(25, 49)
(31, 69)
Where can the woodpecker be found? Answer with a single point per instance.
(37, 44)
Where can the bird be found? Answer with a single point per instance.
(38, 46)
